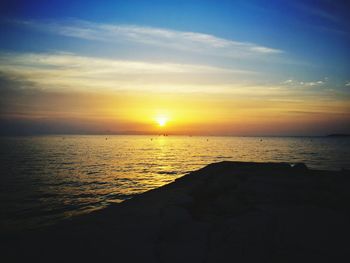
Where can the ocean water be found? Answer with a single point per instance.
(45, 179)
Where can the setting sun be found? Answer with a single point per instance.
(162, 120)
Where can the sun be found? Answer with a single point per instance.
(162, 120)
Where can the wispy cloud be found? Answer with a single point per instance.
(67, 70)
(70, 61)
(329, 12)
(347, 84)
(298, 83)
(159, 37)
(326, 29)
(317, 11)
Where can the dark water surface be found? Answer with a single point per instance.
(48, 178)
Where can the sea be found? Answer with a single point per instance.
(45, 179)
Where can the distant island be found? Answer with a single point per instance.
(338, 135)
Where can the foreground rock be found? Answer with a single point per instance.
(225, 212)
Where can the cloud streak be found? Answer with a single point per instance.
(66, 70)
(315, 11)
(64, 60)
(296, 83)
(151, 36)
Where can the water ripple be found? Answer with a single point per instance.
(46, 178)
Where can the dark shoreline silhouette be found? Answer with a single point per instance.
(224, 212)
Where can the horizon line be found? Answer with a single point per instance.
(166, 134)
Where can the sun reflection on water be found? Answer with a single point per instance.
(58, 176)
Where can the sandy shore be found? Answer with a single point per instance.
(225, 212)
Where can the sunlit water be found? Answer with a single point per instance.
(47, 178)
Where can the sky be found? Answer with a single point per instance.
(246, 68)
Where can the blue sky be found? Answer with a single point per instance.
(248, 49)
(314, 32)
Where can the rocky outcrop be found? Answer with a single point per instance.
(225, 212)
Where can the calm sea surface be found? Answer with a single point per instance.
(47, 178)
